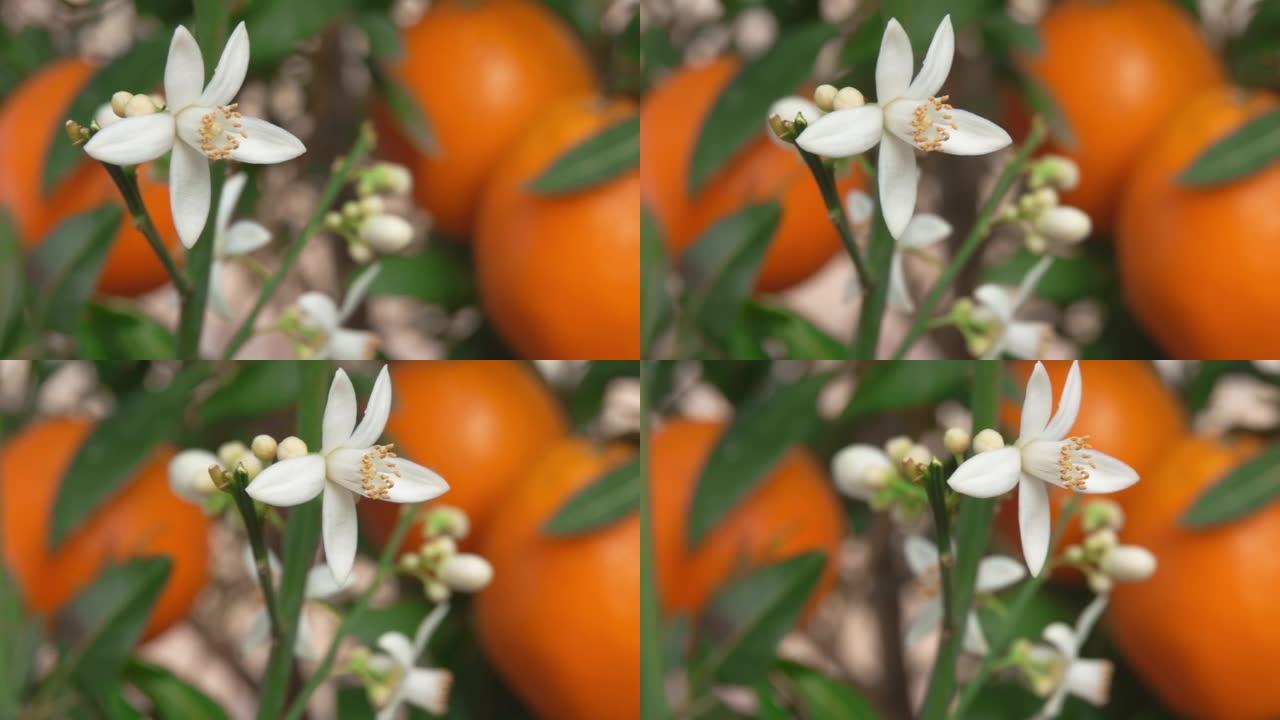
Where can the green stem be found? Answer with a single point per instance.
(874, 299)
(653, 705)
(826, 179)
(199, 262)
(261, 558)
(385, 561)
(363, 141)
(127, 184)
(942, 681)
(977, 234)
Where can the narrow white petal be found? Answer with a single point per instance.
(228, 76)
(1068, 406)
(998, 299)
(1026, 340)
(375, 413)
(974, 640)
(937, 62)
(398, 647)
(899, 297)
(359, 288)
(894, 66)
(321, 584)
(245, 236)
(899, 177)
(428, 627)
(927, 619)
(1089, 617)
(922, 555)
(133, 140)
(788, 108)
(843, 133)
(231, 191)
(1063, 638)
(428, 689)
(1090, 680)
(1036, 404)
(392, 708)
(289, 482)
(997, 572)
(924, 230)
(319, 311)
(416, 484)
(974, 135)
(988, 474)
(266, 144)
(188, 192)
(257, 635)
(339, 528)
(351, 345)
(851, 466)
(339, 413)
(183, 71)
(1033, 522)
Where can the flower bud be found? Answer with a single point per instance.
(917, 459)
(987, 440)
(264, 447)
(1064, 224)
(229, 453)
(189, 475)
(392, 178)
(1100, 582)
(372, 204)
(360, 253)
(436, 591)
(754, 31)
(1101, 542)
(120, 101)
(139, 105)
(251, 465)
(825, 97)
(1073, 554)
(956, 440)
(898, 447)
(848, 98)
(157, 100)
(386, 233)
(105, 116)
(1130, 563)
(466, 572)
(447, 521)
(787, 109)
(333, 220)
(290, 447)
(1056, 170)
(1102, 514)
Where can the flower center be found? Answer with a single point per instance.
(220, 132)
(931, 123)
(1074, 462)
(378, 472)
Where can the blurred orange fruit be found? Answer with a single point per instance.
(482, 71)
(561, 621)
(559, 275)
(30, 122)
(480, 424)
(1201, 633)
(1117, 70)
(1126, 411)
(1191, 258)
(793, 510)
(670, 120)
(143, 518)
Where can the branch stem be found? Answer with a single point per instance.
(257, 543)
(825, 177)
(127, 183)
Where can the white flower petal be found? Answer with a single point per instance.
(788, 108)
(974, 135)
(416, 483)
(339, 413)
(988, 474)
(998, 299)
(189, 474)
(899, 177)
(921, 554)
(183, 71)
(188, 192)
(1108, 474)
(390, 710)
(1068, 406)
(375, 413)
(1033, 522)
(997, 572)
(228, 76)
(266, 144)
(927, 619)
(974, 640)
(924, 230)
(398, 647)
(133, 140)
(319, 311)
(1090, 680)
(428, 689)
(428, 627)
(1089, 617)
(843, 133)
(1025, 340)
(937, 62)
(245, 236)
(1062, 638)
(230, 197)
(321, 584)
(351, 345)
(899, 297)
(289, 482)
(851, 465)
(339, 529)
(359, 288)
(1036, 404)
(895, 63)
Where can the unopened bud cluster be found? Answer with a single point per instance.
(193, 476)
(1101, 557)
(438, 564)
(1048, 226)
(368, 223)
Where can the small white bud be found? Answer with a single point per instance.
(1130, 563)
(229, 453)
(878, 477)
(120, 101)
(251, 464)
(1073, 554)
(351, 210)
(372, 204)
(157, 100)
(436, 591)
(189, 475)
(1064, 224)
(787, 109)
(1100, 582)
(386, 233)
(139, 105)
(360, 253)
(918, 458)
(290, 447)
(1101, 542)
(106, 116)
(466, 572)
(853, 468)
(333, 219)
(1061, 172)
(1045, 198)
(848, 98)
(898, 447)
(987, 440)
(394, 178)
(825, 97)
(448, 521)
(264, 447)
(956, 440)
(1101, 514)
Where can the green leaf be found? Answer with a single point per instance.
(603, 156)
(1241, 492)
(69, 262)
(920, 18)
(824, 698)
(655, 303)
(899, 384)
(12, 285)
(106, 620)
(587, 400)
(353, 703)
(115, 449)
(722, 265)
(609, 498)
(739, 112)
(278, 27)
(800, 337)
(384, 36)
(210, 30)
(439, 275)
(768, 706)
(21, 635)
(763, 430)
(139, 69)
(171, 698)
(1091, 273)
(256, 388)
(747, 618)
(1248, 149)
(405, 111)
(118, 332)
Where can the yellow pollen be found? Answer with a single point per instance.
(221, 132)
(932, 123)
(1074, 463)
(378, 472)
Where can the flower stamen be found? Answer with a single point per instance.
(378, 472)
(1074, 463)
(932, 123)
(221, 131)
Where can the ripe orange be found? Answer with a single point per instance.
(1117, 69)
(30, 121)
(1189, 257)
(561, 621)
(670, 121)
(143, 518)
(1127, 411)
(1201, 632)
(480, 424)
(482, 71)
(559, 275)
(793, 510)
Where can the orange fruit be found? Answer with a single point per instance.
(1117, 70)
(480, 424)
(482, 71)
(143, 518)
(1189, 257)
(670, 121)
(561, 621)
(30, 122)
(794, 510)
(1126, 410)
(1201, 632)
(559, 275)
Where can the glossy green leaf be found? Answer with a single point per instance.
(609, 498)
(1241, 492)
(899, 384)
(798, 335)
(655, 302)
(210, 30)
(405, 111)
(279, 27)
(920, 19)
(768, 704)
(171, 698)
(1248, 149)
(116, 447)
(12, 285)
(21, 635)
(747, 618)
(118, 332)
(757, 439)
(824, 698)
(722, 265)
(603, 156)
(69, 262)
(438, 275)
(739, 112)
(255, 388)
